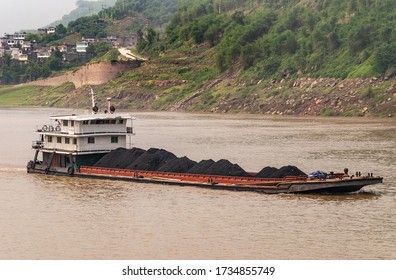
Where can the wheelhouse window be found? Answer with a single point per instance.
(91, 140)
(65, 122)
(74, 141)
(58, 139)
(114, 139)
(71, 123)
(67, 140)
(49, 138)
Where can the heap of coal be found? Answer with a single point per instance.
(201, 167)
(272, 172)
(225, 168)
(151, 160)
(120, 158)
(178, 165)
(266, 172)
(161, 160)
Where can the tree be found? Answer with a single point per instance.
(55, 61)
(61, 30)
(385, 58)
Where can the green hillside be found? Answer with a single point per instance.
(276, 39)
(315, 57)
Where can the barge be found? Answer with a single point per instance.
(70, 145)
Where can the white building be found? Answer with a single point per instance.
(81, 47)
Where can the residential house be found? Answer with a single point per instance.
(111, 38)
(43, 53)
(42, 31)
(89, 39)
(51, 30)
(81, 47)
(26, 47)
(13, 40)
(20, 36)
(9, 40)
(62, 48)
(23, 57)
(15, 53)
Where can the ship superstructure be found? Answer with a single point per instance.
(70, 141)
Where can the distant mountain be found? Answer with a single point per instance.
(84, 8)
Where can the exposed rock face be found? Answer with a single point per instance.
(322, 96)
(91, 74)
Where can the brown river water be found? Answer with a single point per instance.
(52, 217)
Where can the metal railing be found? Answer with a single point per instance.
(37, 144)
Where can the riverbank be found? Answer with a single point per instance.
(302, 96)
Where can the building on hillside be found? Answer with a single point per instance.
(51, 30)
(14, 39)
(23, 57)
(15, 53)
(42, 31)
(43, 53)
(81, 47)
(20, 36)
(26, 47)
(89, 39)
(62, 48)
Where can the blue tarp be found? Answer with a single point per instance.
(318, 175)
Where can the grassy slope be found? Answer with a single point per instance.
(18, 96)
(187, 79)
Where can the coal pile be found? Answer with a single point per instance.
(266, 172)
(272, 172)
(151, 160)
(225, 168)
(201, 167)
(161, 160)
(178, 165)
(119, 158)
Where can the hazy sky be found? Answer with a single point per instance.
(31, 14)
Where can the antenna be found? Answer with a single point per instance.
(94, 107)
(111, 108)
(93, 97)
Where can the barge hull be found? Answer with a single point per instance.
(269, 186)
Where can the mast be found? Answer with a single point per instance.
(94, 107)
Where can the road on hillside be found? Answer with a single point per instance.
(127, 53)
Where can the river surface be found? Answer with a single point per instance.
(50, 217)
